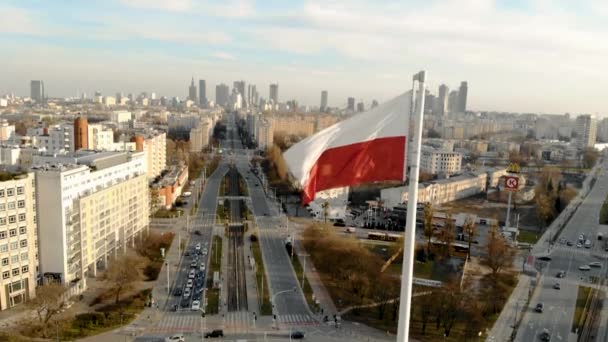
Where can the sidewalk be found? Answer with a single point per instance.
(503, 327)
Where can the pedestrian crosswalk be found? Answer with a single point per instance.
(296, 319)
(179, 323)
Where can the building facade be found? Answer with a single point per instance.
(586, 129)
(274, 93)
(439, 162)
(37, 91)
(18, 240)
(323, 106)
(89, 212)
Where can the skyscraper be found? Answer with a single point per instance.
(586, 128)
(222, 93)
(323, 106)
(274, 93)
(442, 101)
(453, 101)
(192, 91)
(254, 96)
(462, 97)
(202, 93)
(360, 107)
(240, 87)
(37, 90)
(351, 104)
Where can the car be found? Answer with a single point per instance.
(215, 333)
(193, 263)
(175, 338)
(187, 253)
(198, 247)
(581, 237)
(189, 283)
(561, 274)
(584, 268)
(539, 308)
(177, 292)
(187, 292)
(579, 245)
(202, 267)
(197, 232)
(595, 264)
(569, 243)
(562, 241)
(297, 335)
(205, 251)
(556, 286)
(191, 274)
(545, 335)
(196, 305)
(545, 258)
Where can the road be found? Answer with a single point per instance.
(560, 304)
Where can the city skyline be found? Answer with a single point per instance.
(311, 46)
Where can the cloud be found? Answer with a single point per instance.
(164, 5)
(19, 20)
(223, 9)
(223, 55)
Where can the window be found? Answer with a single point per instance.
(10, 192)
(3, 235)
(21, 217)
(12, 232)
(21, 204)
(24, 256)
(2, 220)
(22, 230)
(6, 275)
(1, 193)
(20, 190)
(11, 205)
(2, 206)
(14, 259)
(14, 245)
(23, 243)
(24, 269)
(15, 272)
(4, 248)
(12, 219)
(4, 261)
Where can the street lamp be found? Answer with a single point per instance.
(272, 300)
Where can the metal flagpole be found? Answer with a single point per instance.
(410, 223)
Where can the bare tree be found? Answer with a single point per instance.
(499, 253)
(429, 212)
(49, 301)
(446, 236)
(471, 230)
(122, 273)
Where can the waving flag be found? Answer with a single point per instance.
(368, 147)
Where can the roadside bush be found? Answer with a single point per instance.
(253, 238)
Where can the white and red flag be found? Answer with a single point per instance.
(368, 147)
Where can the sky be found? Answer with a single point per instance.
(539, 56)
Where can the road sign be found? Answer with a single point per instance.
(511, 183)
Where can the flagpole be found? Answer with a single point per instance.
(409, 243)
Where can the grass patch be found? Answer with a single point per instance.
(424, 269)
(308, 294)
(260, 276)
(221, 212)
(604, 212)
(584, 294)
(213, 295)
(527, 236)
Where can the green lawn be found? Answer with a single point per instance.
(213, 299)
(584, 293)
(221, 212)
(262, 283)
(213, 295)
(424, 269)
(295, 261)
(527, 236)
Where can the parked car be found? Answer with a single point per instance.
(175, 338)
(545, 335)
(202, 268)
(579, 245)
(584, 268)
(556, 286)
(561, 274)
(297, 335)
(595, 264)
(177, 292)
(539, 307)
(196, 305)
(205, 251)
(189, 283)
(215, 333)
(187, 292)
(193, 263)
(569, 243)
(192, 274)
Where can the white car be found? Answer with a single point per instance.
(202, 268)
(198, 246)
(579, 245)
(196, 305)
(187, 292)
(191, 274)
(584, 268)
(205, 251)
(175, 338)
(595, 264)
(189, 283)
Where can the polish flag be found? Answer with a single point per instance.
(368, 147)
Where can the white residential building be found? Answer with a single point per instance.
(264, 135)
(88, 212)
(100, 138)
(54, 139)
(18, 240)
(440, 162)
(7, 132)
(586, 129)
(121, 116)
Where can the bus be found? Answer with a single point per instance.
(383, 236)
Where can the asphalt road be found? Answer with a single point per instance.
(560, 304)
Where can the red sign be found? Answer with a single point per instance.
(511, 183)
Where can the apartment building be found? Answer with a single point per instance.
(18, 240)
(88, 211)
(7, 132)
(200, 136)
(440, 162)
(264, 134)
(293, 125)
(53, 139)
